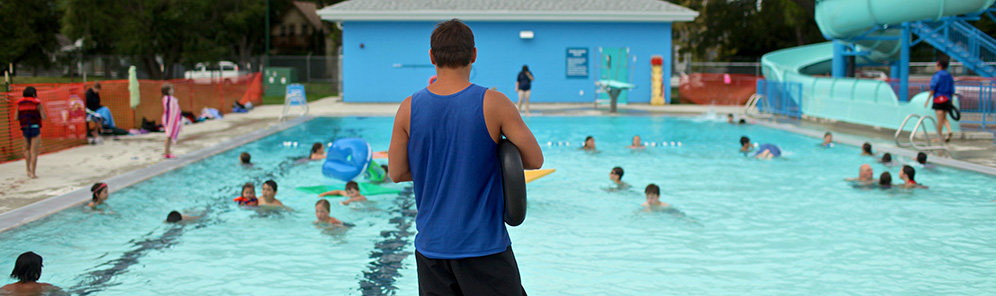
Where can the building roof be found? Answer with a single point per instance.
(509, 10)
(310, 12)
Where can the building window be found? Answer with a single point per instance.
(283, 30)
(304, 30)
(290, 30)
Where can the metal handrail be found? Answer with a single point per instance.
(912, 142)
(290, 100)
(752, 105)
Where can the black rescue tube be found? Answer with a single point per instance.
(955, 113)
(513, 182)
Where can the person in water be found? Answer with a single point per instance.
(99, 193)
(245, 159)
(729, 119)
(637, 143)
(827, 140)
(317, 151)
(352, 191)
(176, 217)
(589, 144)
(270, 195)
(887, 158)
(885, 180)
(764, 151)
(907, 174)
(653, 194)
(322, 210)
(248, 197)
(866, 149)
(615, 175)
(27, 271)
(865, 175)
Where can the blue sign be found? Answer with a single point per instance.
(577, 62)
(295, 94)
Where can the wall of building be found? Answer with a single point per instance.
(388, 61)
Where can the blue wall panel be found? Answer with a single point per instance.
(394, 59)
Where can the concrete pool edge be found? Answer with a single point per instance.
(848, 140)
(46, 207)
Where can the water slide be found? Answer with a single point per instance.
(862, 101)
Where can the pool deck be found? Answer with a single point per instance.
(65, 176)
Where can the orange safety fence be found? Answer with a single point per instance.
(717, 88)
(65, 126)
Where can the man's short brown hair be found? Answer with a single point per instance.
(452, 44)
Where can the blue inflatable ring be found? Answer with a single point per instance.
(347, 159)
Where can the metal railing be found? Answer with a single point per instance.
(912, 143)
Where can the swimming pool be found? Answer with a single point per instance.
(784, 226)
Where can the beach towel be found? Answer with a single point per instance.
(171, 117)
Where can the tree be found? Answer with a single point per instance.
(28, 32)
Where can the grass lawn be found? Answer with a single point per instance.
(313, 91)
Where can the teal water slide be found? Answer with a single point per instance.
(861, 101)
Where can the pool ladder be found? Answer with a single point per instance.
(752, 106)
(294, 100)
(912, 142)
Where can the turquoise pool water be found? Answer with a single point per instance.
(787, 226)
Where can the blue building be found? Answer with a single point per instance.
(567, 44)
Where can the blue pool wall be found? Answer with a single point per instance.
(370, 73)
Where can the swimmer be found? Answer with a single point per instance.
(317, 151)
(887, 158)
(589, 144)
(637, 143)
(742, 121)
(729, 119)
(865, 175)
(245, 159)
(616, 176)
(99, 193)
(764, 151)
(176, 217)
(269, 195)
(866, 149)
(653, 193)
(907, 174)
(827, 140)
(352, 191)
(885, 180)
(322, 210)
(248, 197)
(27, 271)
(921, 158)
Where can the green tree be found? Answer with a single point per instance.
(28, 32)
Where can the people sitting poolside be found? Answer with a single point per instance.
(27, 271)
(317, 151)
(637, 143)
(589, 144)
(352, 191)
(866, 149)
(616, 176)
(887, 159)
(245, 159)
(885, 180)
(248, 197)
(865, 175)
(764, 151)
(827, 140)
(908, 174)
(270, 195)
(322, 210)
(176, 217)
(99, 193)
(653, 193)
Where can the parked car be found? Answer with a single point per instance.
(207, 73)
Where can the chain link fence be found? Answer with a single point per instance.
(317, 70)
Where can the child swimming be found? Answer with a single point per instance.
(322, 209)
(248, 197)
(352, 191)
(653, 193)
(270, 195)
(99, 193)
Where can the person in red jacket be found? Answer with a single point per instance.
(30, 115)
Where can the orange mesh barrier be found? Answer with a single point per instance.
(717, 88)
(65, 126)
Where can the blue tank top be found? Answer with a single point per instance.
(454, 167)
